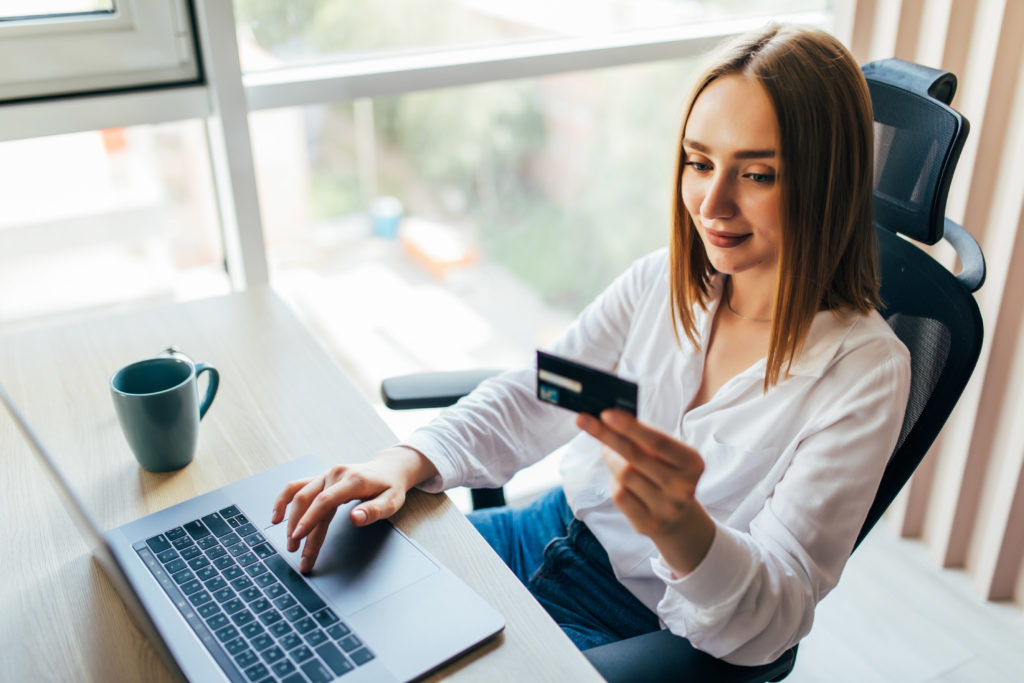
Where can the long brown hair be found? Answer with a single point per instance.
(828, 258)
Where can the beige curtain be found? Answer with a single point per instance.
(966, 502)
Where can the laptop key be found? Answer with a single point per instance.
(207, 542)
(208, 609)
(284, 602)
(300, 654)
(196, 529)
(256, 569)
(183, 542)
(316, 637)
(224, 594)
(238, 549)
(215, 584)
(199, 597)
(245, 530)
(252, 630)
(227, 633)
(268, 583)
(224, 563)
(247, 559)
(361, 656)
(294, 678)
(251, 593)
(294, 613)
(175, 566)
(242, 618)
(232, 606)
(236, 646)
(295, 583)
(305, 625)
(262, 641)
(316, 671)
(350, 643)
(217, 621)
(198, 562)
(263, 551)
(281, 629)
(190, 587)
(233, 572)
(233, 522)
(175, 533)
(326, 617)
(257, 672)
(332, 655)
(283, 668)
(190, 552)
(290, 641)
(270, 617)
(272, 654)
(216, 524)
(216, 552)
(260, 605)
(167, 555)
(158, 543)
(246, 658)
(338, 631)
(241, 583)
(230, 511)
(206, 573)
(183, 576)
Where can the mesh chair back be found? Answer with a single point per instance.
(918, 142)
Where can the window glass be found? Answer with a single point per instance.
(284, 33)
(105, 219)
(464, 227)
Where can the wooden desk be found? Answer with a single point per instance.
(280, 396)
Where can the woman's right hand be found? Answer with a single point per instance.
(381, 485)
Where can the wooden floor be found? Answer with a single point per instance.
(896, 617)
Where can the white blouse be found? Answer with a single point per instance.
(789, 474)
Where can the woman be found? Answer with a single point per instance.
(771, 392)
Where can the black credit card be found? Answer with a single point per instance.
(582, 388)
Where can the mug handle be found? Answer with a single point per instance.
(212, 382)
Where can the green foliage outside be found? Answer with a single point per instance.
(473, 156)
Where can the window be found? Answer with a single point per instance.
(63, 47)
(104, 219)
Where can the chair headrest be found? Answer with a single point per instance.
(918, 140)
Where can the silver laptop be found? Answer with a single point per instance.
(210, 582)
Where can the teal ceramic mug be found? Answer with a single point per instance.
(157, 403)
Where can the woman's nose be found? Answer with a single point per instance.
(718, 200)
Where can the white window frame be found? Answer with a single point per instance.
(142, 43)
(227, 97)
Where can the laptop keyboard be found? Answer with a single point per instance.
(256, 615)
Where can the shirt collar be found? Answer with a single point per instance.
(826, 336)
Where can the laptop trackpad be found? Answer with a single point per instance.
(358, 566)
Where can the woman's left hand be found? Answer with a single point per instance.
(654, 478)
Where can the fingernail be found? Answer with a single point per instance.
(304, 565)
(297, 533)
(359, 515)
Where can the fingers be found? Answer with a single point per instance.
(285, 497)
(656, 453)
(314, 541)
(383, 506)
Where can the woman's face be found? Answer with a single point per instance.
(729, 180)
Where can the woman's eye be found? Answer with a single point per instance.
(761, 178)
(698, 165)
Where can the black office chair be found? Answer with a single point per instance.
(918, 139)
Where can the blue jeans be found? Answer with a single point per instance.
(565, 568)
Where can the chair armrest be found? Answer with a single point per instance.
(664, 656)
(431, 389)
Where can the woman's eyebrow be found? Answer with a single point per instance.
(742, 154)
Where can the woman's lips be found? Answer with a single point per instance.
(725, 240)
